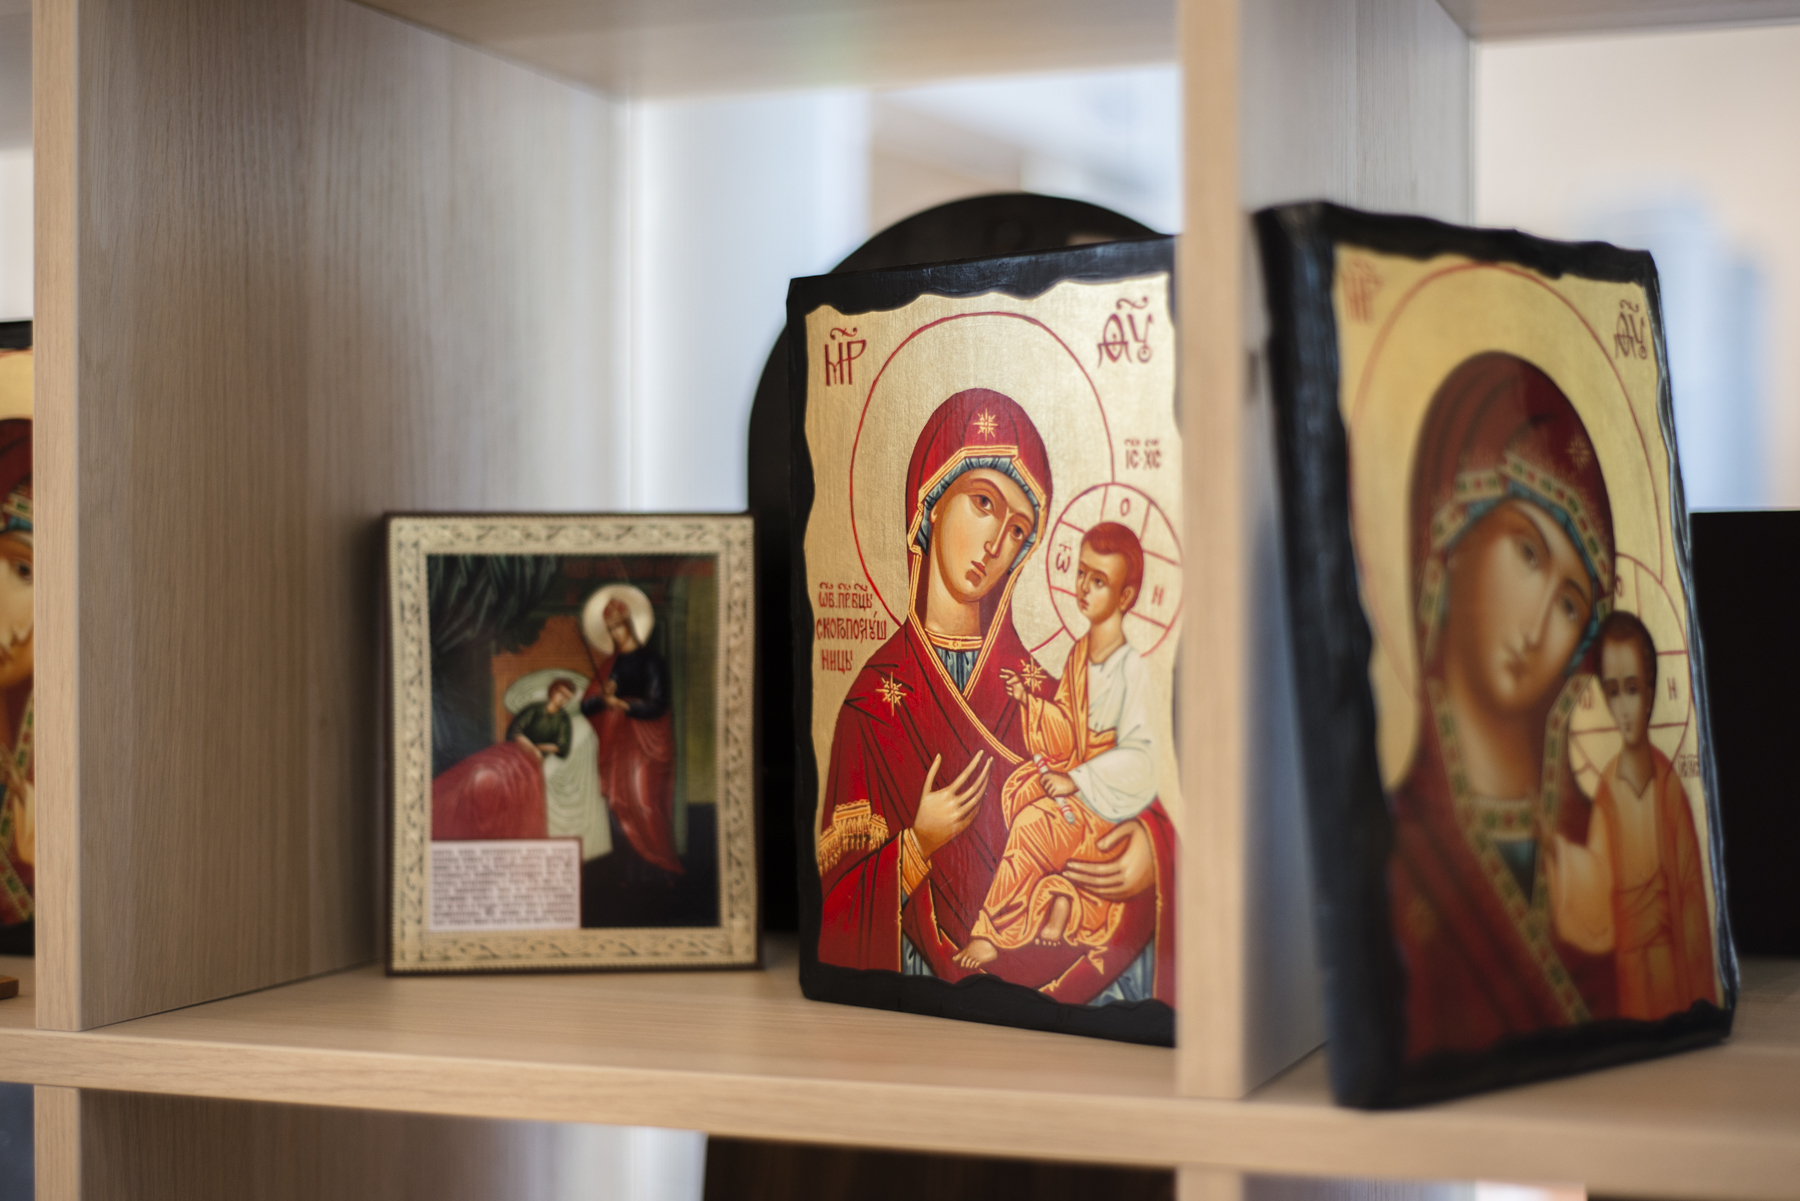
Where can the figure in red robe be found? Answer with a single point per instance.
(18, 804)
(1512, 572)
(498, 792)
(628, 702)
(911, 824)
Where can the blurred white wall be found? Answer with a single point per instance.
(15, 234)
(15, 160)
(731, 197)
(1111, 137)
(1686, 144)
(729, 200)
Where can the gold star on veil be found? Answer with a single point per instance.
(986, 424)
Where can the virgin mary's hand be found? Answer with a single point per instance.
(1125, 874)
(946, 812)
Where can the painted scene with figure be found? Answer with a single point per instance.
(18, 773)
(573, 698)
(576, 771)
(1519, 539)
(993, 567)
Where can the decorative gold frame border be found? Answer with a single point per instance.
(413, 948)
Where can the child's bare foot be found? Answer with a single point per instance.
(978, 953)
(1056, 922)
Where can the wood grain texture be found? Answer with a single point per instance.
(742, 1054)
(1362, 101)
(1490, 19)
(135, 1147)
(459, 239)
(55, 332)
(1215, 673)
(303, 264)
(56, 1143)
(693, 47)
(1209, 1184)
(1365, 102)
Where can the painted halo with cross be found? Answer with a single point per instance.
(1158, 607)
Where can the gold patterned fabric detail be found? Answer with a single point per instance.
(18, 504)
(1476, 492)
(1517, 474)
(1481, 823)
(855, 829)
(914, 867)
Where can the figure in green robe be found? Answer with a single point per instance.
(543, 727)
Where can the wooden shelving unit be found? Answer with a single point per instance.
(301, 262)
(743, 1054)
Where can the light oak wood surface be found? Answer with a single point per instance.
(300, 263)
(1363, 102)
(143, 1147)
(1540, 18)
(741, 1053)
(56, 1143)
(55, 333)
(693, 47)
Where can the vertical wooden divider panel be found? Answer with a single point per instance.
(1364, 102)
(55, 184)
(1215, 677)
(56, 1142)
(459, 315)
(301, 263)
(1210, 1184)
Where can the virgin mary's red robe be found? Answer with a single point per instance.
(900, 712)
(637, 758)
(1482, 957)
(1478, 970)
(904, 709)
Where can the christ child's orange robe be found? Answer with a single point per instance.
(1661, 928)
(1044, 832)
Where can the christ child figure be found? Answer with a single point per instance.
(1636, 888)
(1093, 766)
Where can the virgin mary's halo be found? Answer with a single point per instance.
(593, 616)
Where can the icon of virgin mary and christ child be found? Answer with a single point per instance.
(1518, 903)
(980, 815)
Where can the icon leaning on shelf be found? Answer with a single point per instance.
(1488, 574)
(571, 700)
(990, 544)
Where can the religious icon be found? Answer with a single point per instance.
(1506, 749)
(18, 798)
(988, 506)
(571, 764)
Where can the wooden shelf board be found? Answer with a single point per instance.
(693, 47)
(1494, 19)
(742, 1053)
